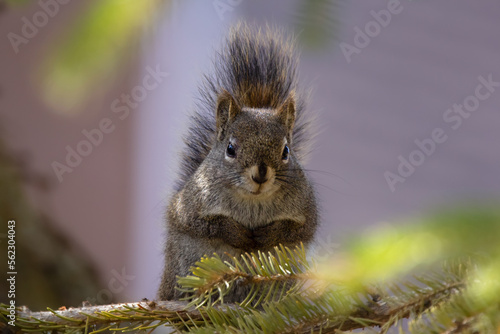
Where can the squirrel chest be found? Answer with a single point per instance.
(211, 199)
(253, 214)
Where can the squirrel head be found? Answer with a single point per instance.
(255, 145)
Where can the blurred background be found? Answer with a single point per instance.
(94, 98)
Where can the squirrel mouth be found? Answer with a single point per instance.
(261, 191)
(254, 191)
(257, 191)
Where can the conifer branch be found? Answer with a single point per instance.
(326, 313)
(332, 311)
(125, 316)
(269, 274)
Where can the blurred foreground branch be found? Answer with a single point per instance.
(92, 318)
(149, 315)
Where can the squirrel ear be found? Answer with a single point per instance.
(227, 109)
(286, 114)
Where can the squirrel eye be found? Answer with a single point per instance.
(286, 151)
(231, 151)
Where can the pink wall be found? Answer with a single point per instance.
(91, 203)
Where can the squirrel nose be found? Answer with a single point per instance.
(261, 177)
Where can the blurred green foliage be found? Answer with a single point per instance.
(90, 53)
(389, 250)
(317, 22)
(94, 49)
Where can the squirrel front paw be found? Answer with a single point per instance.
(240, 237)
(285, 232)
(232, 233)
(266, 236)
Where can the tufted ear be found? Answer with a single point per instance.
(227, 109)
(286, 114)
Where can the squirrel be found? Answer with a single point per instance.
(242, 187)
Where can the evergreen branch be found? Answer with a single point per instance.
(463, 313)
(303, 310)
(325, 309)
(269, 274)
(92, 319)
(333, 310)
